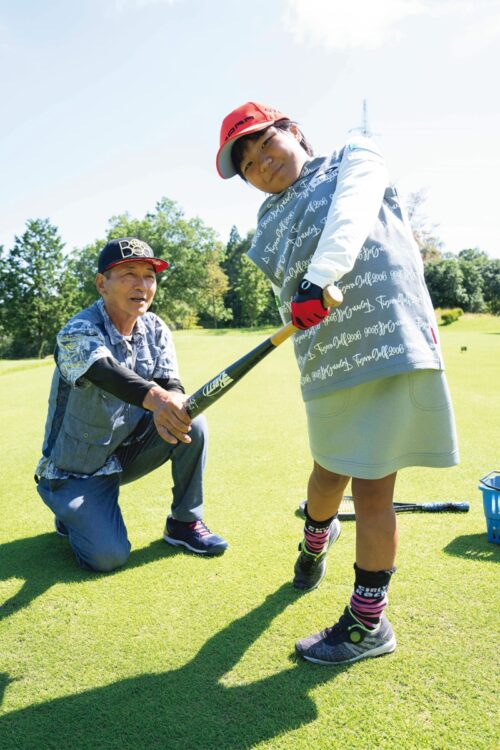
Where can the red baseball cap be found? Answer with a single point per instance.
(249, 118)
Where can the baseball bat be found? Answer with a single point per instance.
(216, 387)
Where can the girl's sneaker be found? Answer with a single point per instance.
(347, 641)
(310, 569)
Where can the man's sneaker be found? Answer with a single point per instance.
(195, 536)
(310, 569)
(347, 641)
(60, 528)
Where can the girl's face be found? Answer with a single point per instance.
(274, 161)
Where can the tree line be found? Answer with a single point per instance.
(208, 284)
(469, 281)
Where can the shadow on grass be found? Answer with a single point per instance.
(197, 706)
(474, 547)
(44, 560)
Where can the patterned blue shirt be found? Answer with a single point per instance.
(85, 424)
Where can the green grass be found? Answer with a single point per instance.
(176, 652)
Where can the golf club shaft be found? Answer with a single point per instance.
(346, 509)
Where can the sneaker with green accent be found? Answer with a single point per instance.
(310, 569)
(347, 641)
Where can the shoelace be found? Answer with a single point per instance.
(200, 528)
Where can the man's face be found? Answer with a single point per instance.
(128, 289)
(274, 161)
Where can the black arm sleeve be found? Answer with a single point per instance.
(170, 384)
(124, 383)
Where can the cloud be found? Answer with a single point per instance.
(481, 31)
(368, 24)
(341, 25)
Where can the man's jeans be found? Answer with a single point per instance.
(89, 507)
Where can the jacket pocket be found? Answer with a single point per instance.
(81, 447)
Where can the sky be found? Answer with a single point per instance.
(109, 105)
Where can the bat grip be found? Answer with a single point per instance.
(332, 296)
(446, 507)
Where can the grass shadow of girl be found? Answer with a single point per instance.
(185, 708)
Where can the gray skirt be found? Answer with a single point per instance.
(374, 429)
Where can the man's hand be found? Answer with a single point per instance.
(169, 413)
(307, 305)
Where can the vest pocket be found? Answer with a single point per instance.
(81, 447)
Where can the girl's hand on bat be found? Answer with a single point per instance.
(307, 305)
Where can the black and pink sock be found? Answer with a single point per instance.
(316, 534)
(369, 598)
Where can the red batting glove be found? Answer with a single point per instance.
(307, 305)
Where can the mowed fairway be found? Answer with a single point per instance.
(178, 652)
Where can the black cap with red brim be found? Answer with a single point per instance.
(125, 250)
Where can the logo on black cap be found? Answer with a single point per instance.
(128, 249)
(134, 248)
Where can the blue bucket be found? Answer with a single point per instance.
(490, 487)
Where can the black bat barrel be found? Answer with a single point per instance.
(224, 381)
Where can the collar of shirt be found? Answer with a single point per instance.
(114, 335)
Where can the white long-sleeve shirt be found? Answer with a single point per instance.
(361, 182)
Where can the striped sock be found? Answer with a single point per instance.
(369, 598)
(316, 534)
